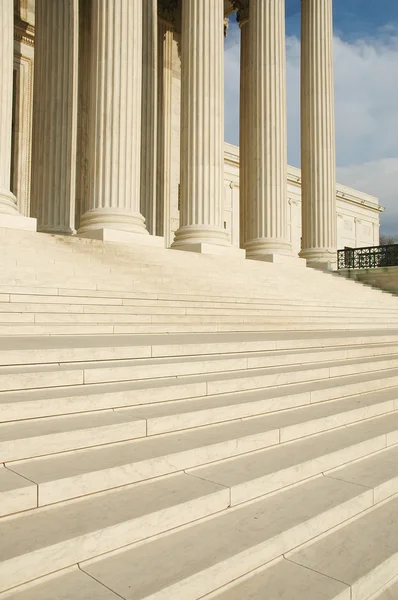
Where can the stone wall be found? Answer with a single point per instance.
(384, 278)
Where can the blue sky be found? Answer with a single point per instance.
(366, 95)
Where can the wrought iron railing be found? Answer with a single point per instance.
(368, 258)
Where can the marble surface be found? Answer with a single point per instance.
(68, 585)
(205, 556)
(362, 554)
(284, 580)
(59, 536)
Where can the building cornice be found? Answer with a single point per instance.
(23, 32)
(231, 156)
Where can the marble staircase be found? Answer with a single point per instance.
(175, 426)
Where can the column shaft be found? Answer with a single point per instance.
(149, 113)
(244, 118)
(267, 194)
(8, 203)
(164, 147)
(114, 135)
(318, 162)
(202, 125)
(55, 102)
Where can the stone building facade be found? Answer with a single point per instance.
(95, 152)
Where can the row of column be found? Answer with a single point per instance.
(263, 136)
(94, 153)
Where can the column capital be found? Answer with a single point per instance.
(226, 25)
(242, 11)
(167, 10)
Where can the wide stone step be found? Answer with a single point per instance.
(20, 329)
(363, 554)
(72, 584)
(186, 293)
(182, 414)
(60, 477)
(265, 471)
(192, 319)
(24, 350)
(277, 529)
(159, 307)
(281, 579)
(242, 365)
(52, 538)
(16, 493)
(112, 295)
(38, 437)
(320, 383)
(199, 559)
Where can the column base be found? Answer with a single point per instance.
(119, 236)
(322, 259)
(279, 259)
(17, 221)
(321, 266)
(203, 248)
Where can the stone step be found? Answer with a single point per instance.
(299, 384)
(189, 319)
(38, 437)
(16, 493)
(265, 471)
(94, 297)
(24, 350)
(312, 418)
(243, 364)
(199, 559)
(378, 472)
(281, 579)
(53, 538)
(150, 329)
(72, 584)
(387, 592)
(66, 476)
(159, 307)
(363, 554)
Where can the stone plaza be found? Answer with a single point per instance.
(194, 404)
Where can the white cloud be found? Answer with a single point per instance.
(379, 178)
(366, 92)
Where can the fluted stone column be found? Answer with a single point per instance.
(9, 215)
(149, 113)
(166, 20)
(245, 158)
(202, 127)
(318, 162)
(112, 207)
(267, 234)
(55, 105)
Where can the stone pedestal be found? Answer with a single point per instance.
(318, 163)
(55, 106)
(202, 127)
(9, 215)
(114, 129)
(266, 205)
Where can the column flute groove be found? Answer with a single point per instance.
(318, 155)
